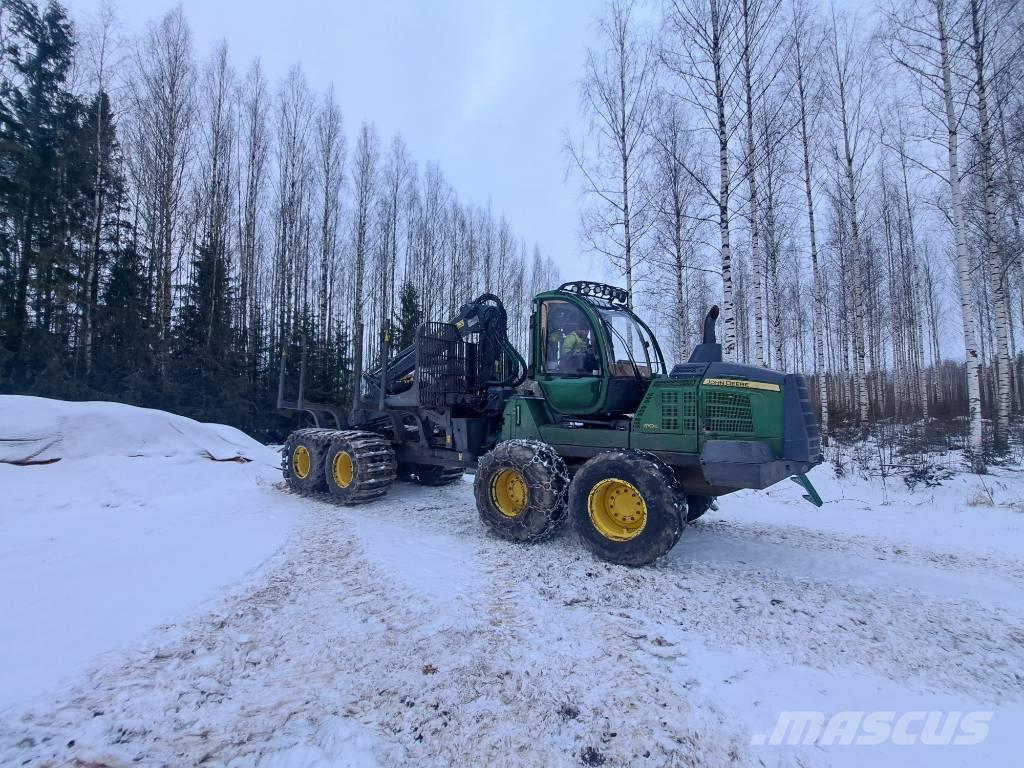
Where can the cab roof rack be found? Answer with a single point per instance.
(597, 292)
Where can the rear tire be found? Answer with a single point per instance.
(303, 460)
(359, 466)
(627, 507)
(520, 488)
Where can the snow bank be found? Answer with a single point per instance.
(973, 513)
(132, 528)
(38, 430)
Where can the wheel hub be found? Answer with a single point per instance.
(509, 492)
(300, 462)
(617, 510)
(341, 469)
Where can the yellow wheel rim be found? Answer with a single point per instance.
(300, 462)
(509, 492)
(617, 509)
(341, 468)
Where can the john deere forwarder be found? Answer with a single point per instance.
(603, 432)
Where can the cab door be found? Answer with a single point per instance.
(568, 365)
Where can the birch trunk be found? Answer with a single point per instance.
(755, 245)
(365, 170)
(995, 271)
(817, 324)
(923, 373)
(729, 312)
(963, 262)
(860, 379)
(252, 177)
(1015, 216)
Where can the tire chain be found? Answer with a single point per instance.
(557, 483)
(385, 469)
(679, 502)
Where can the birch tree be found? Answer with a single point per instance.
(919, 41)
(253, 150)
(847, 89)
(617, 95)
(218, 137)
(805, 45)
(996, 272)
(700, 50)
(397, 175)
(292, 201)
(756, 17)
(364, 190)
(675, 220)
(330, 159)
(163, 103)
(916, 276)
(774, 173)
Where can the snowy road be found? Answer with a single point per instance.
(402, 633)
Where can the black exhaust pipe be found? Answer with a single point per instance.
(709, 351)
(709, 325)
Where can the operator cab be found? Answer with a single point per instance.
(592, 355)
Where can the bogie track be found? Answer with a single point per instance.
(346, 466)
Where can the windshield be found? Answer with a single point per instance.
(632, 348)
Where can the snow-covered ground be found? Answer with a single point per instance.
(401, 632)
(137, 517)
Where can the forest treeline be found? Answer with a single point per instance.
(847, 185)
(168, 223)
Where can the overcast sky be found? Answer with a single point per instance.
(485, 89)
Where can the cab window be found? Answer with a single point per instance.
(632, 348)
(569, 344)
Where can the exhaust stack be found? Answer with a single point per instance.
(709, 325)
(709, 350)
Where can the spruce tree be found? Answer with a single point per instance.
(41, 197)
(410, 315)
(207, 380)
(123, 364)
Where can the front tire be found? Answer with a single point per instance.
(520, 488)
(627, 507)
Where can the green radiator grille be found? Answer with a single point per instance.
(728, 412)
(670, 411)
(678, 408)
(689, 411)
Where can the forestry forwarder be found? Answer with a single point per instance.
(631, 451)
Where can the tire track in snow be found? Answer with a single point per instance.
(819, 612)
(549, 652)
(328, 656)
(818, 617)
(613, 706)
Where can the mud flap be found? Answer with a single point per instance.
(805, 482)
